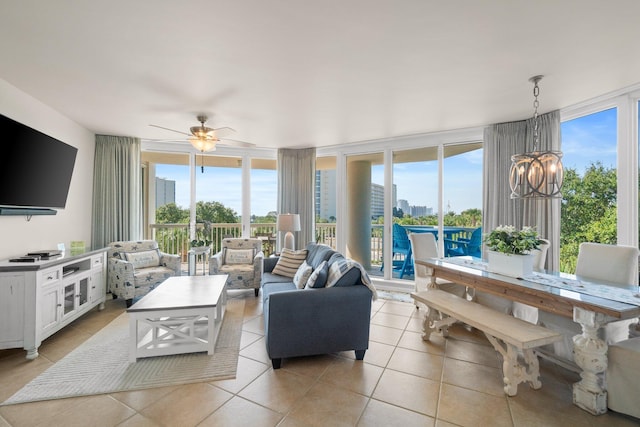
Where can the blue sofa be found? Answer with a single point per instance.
(319, 320)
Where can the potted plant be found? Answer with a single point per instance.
(202, 241)
(510, 250)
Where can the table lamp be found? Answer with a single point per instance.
(288, 223)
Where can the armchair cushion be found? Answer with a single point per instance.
(239, 256)
(143, 259)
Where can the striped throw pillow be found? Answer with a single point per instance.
(289, 262)
(340, 272)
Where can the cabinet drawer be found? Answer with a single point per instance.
(96, 262)
(50, 276)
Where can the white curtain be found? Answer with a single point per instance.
(501, 141)
(296, 190)
(117, 195)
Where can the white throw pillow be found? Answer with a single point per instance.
(143, 259)
(238, 256)
(289, 262)
(302, 275)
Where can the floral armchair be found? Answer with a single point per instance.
(135, 268)
(242, 260)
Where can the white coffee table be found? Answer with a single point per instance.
(184, 314)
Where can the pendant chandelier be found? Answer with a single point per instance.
(536, 174)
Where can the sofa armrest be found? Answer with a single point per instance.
(171, 261)
(317, 321)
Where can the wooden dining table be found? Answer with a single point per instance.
(561, 294)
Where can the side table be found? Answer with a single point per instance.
(195, 254)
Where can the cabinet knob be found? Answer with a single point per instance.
(59, 305)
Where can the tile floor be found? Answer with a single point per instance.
(403, 381)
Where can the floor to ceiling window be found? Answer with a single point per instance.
(166, 205)
(325, 201)
(219, 194)
(589, 193)
(462, 182)
(415, 203)
(264, 202)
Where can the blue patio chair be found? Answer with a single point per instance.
(471, 246)
(401, 246)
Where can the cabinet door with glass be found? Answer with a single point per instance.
(75, 294)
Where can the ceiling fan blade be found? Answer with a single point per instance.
(236, 143)
(225, 129)
(172, 130)
(164, 140)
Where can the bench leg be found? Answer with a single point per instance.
(437, 321)
(513, 371)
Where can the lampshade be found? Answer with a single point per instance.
(288, 222)
(536, 174)
(203, 145)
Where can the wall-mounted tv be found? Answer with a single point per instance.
(35, 169)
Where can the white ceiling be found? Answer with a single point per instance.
(314, 73)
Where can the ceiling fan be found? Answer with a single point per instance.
(204, 138)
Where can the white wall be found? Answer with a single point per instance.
(19, 236)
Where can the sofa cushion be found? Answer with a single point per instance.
(238, 256)
(143, 259)
(274, 278)
(343, 272)
(289, 262)
(318, 253)
(318, 278)
(302, 275)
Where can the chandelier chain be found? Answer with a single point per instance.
(536, 104)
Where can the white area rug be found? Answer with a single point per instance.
(101, 364)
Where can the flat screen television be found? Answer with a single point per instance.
(35, 169)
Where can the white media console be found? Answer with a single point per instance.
(39, 298)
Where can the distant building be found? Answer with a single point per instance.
(377, 199)
(404, 206)
(325, 194)
(165, 192)
(416, 211)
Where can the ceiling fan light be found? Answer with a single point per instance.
(203, 144)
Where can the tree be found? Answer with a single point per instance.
(589, 211)
(215, 212)
(397, 212)
(172, 214)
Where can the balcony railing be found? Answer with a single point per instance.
(174, 238)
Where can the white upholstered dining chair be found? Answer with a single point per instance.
(614, 264)
(423, 246)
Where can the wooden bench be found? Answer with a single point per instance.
(506, 333)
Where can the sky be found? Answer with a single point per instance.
(584, 140)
